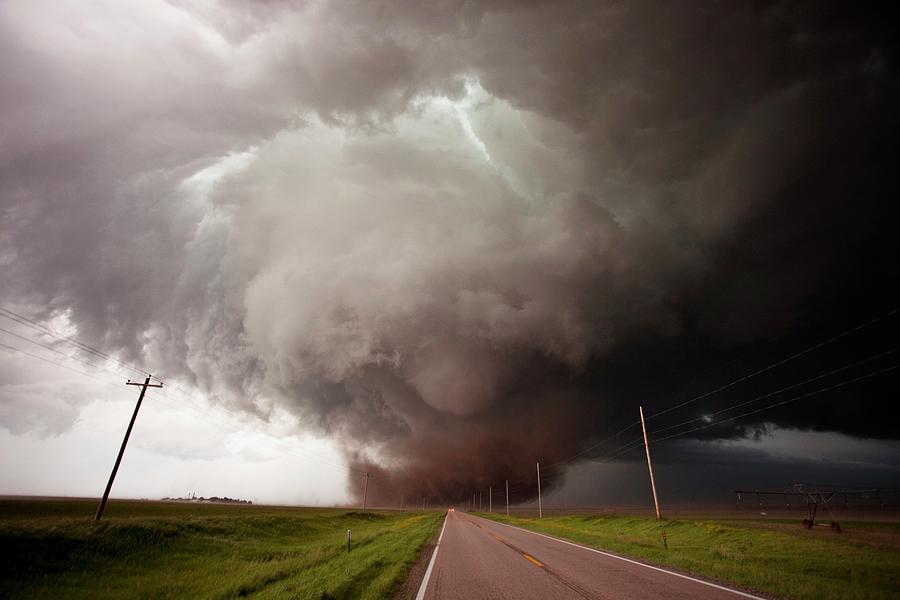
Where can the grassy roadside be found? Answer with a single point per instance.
(775, 558)
(51, 549)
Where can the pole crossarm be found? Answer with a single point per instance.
(145, 384)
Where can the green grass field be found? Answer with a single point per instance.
(52, 549)
(776, 557)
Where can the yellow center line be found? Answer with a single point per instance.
(532, 559)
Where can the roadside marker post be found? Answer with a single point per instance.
(348, 541)
(665, 543)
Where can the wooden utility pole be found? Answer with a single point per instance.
(649, 464)
(481, 501)
(112, 476)
(507, 497)
(366, 493)
(540, 507)
(490, 500)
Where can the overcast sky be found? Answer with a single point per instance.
(440, 241)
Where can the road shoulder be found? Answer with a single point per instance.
(410, 586)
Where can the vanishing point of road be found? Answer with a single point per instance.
(478, 558)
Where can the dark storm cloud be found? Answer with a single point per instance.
(457, 236)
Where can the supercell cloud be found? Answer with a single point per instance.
(453, 236)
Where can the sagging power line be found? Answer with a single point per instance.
(571, 458)
(778, 363)
(168, 400)
(23, 320)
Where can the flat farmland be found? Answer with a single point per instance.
(52, 549)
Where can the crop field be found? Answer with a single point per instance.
(776, 557)
(53, 549)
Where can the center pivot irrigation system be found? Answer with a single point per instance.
(813, 498)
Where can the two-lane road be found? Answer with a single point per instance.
(478, 558)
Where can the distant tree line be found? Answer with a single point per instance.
(213, 499)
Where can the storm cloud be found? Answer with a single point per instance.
(459, 236)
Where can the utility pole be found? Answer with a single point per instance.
(507, 497)
(481, 501)
(401, 501)
(490, 500)
(540, 508)
(112, 476)
(366, 493)
(649, 464)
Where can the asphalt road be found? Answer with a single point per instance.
(477, 558)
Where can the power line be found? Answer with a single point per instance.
(9, 314)
(637, 443)
(781, 390)
(783, 402)
(52, 362)
(172, 402)
(57, 351)
(524, 483)
(160, 395)
(516, 484)
(593, 446)
(777, 363)
(44, 330)
(527, 482)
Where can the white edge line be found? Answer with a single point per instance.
(628, 560)
(424, 585)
